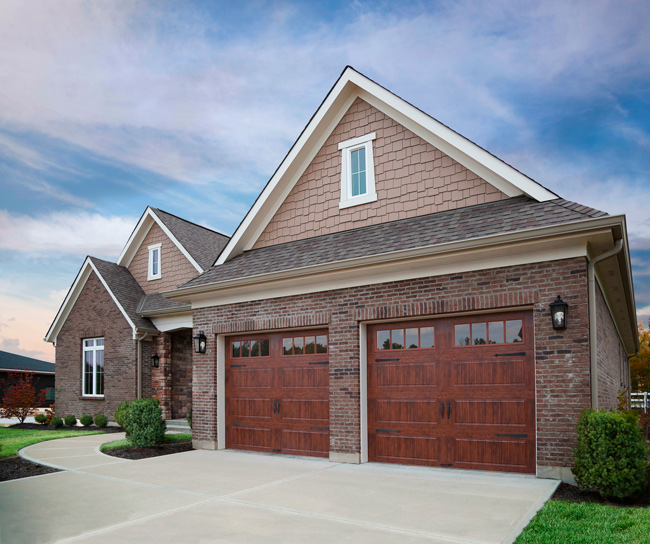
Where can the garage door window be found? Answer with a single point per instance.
(304, 345)
(493, 332)
(251, 348)
(406, 338)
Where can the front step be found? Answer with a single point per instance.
(178, 426)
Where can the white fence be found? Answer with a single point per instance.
(639, 400)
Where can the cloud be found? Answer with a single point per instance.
(65, 232)
(12, 345)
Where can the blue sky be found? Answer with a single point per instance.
(107, 107)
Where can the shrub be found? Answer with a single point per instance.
(56, 422)
(70, 420)
(189, 417)
(145, 423)
(40, 418)
(20, 397)
(612, 454)
(86, 420)
(122, 415)
(101, 420)
(49, 413)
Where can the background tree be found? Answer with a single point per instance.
(20, 396)
(640, 363)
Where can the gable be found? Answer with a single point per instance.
(175, 267)
(412, 178)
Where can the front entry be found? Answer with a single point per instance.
(456, 392)
(277, 392)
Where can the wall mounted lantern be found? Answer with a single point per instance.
(200, 342)
(155, 361)
(558, 313)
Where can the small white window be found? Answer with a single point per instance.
(357, 171)
(154, 262)
(93, 367)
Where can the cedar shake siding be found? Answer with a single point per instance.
(613, 362)
(175, 268)
(95, 315)
(561, 357)
(412, 178)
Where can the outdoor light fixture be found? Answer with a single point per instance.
(558, 313)
(155, 361)
(200, 342)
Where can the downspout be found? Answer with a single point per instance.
(139, 369)
(593, 329)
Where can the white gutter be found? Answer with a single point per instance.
(139, 370)
(593, 328)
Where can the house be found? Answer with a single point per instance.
(42, 371)
(387, 298)
(114, 320)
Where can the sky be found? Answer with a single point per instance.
(107, 107)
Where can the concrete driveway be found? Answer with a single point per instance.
(229, 496)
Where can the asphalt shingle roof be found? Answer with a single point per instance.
(203, 244)
(11, 361)
(126, 290)
(509, 215)
(156, 302)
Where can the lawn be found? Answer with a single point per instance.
(561, 522)
(169, 439)
(11, 440)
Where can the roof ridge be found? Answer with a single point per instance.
(579, 208)
(190, 222)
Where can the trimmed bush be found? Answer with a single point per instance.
(86, 420)
(612, 455)
(40, 418)
(145, 423)
(101, 421)
(70, 420)
(122, 415)
(56, 422)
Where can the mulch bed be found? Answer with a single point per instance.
(153, 451)
(13, 468)
(566, 492)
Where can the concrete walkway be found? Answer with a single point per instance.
(229, 496)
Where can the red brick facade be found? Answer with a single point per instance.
(562, 357)
(95, 315)
(172, 380)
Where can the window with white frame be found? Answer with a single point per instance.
(357, 171)
(154, 262)
(93, 367)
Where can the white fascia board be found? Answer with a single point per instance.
(147, 220)
(174, 322)
(72, 297)
(351, 85)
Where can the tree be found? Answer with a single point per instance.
(640, 363)
(20, 396)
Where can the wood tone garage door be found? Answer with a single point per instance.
(456, 392)
(277, 393)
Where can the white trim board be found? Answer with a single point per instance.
(140, 232)
(349, 86)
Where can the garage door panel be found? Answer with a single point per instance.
(394, 448)
(508, 413)
(305, 442)
(481, 454)
(251, 378)
(486, 373)
(243, 436)
(406, 375)
(407, 411)
(249, 407)
(316, 410)
(306, 377)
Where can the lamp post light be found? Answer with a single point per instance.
(200, 342)
(559, 313)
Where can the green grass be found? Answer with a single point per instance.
(120, 444)
(561, 522)
(11, 440)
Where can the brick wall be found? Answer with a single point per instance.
(181, 373)
(612, 359)
(175, 268)
(161, 377)
(412, 178)
(562, 357)
(95, 315)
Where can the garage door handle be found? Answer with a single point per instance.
(442, 410)
(275, 407)
(448, 410)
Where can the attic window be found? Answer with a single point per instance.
(357, 171)
(154, 272)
